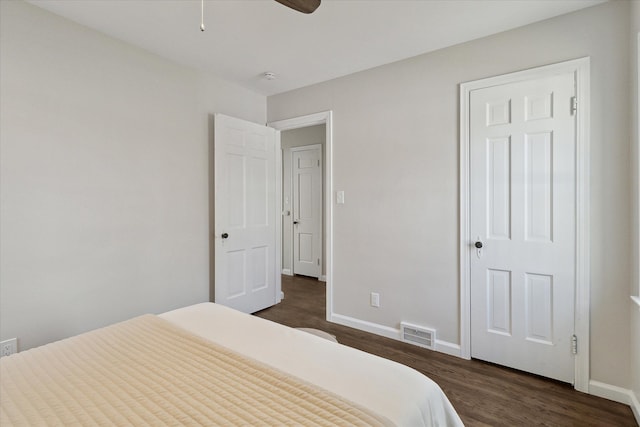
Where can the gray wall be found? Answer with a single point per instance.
(297, 138)
(396, 157)
(103, 177)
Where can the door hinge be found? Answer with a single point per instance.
(574, 104)
(318, 261)
(318, 162)
(574, 344)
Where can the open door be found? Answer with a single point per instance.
(246, 230)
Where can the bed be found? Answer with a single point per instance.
(208, 364)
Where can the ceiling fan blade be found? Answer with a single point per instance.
(304, 6)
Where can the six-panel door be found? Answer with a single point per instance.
(245, 214)
(523, 212)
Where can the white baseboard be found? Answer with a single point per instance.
(448, 348)
(366, 326)
(322, 278)
(386, 331)
(617, 394)
(635, 406)
(287, 272)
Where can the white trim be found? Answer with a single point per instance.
(323, 278)
(326, 118)
(637, 171)
(278, 217)
(465, 217)
(288, 155)
(635, 287)
(581, 69)
(611, 392)
(388, 332)
(364, 325)
(306, 147)
(635, 402)
(448, 348)
(617, 394)
(583, 209)
(287, 272)
(302, 121)
(635, 406)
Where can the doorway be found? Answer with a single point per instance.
(516, 129)
(324, 121)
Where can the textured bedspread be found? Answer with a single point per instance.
(147, 371)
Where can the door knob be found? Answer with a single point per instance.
(296, 222)
(478, 245)
(224, 235)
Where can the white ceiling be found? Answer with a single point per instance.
(245, 38)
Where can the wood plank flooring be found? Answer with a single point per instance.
(482, 393)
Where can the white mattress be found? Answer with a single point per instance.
(392, 390)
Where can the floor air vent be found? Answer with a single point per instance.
(418, 335)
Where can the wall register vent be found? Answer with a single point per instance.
(418, 335)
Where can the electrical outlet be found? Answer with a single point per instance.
(8, 347)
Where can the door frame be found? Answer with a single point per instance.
(581, 69)
(291, 150)
(326, 118)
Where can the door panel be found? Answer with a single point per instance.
(499, 188)
(539, 304)
(245, 212)
(499, 301)
(538, 187)
(523, 213)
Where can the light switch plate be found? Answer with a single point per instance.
(375, 299)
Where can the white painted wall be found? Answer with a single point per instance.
(103, 177)
(396, 157)
(309, 135)
(635, 180)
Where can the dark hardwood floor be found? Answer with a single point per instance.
(482, 393)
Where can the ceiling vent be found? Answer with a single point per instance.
(418, 335)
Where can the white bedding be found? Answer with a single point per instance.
(392, 390)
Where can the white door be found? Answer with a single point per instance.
(522, 183)
(245, 248)
(307, 210)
